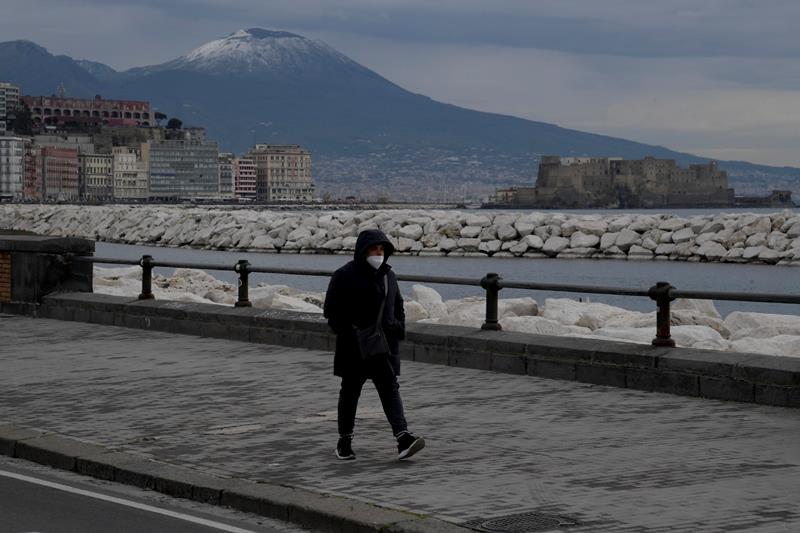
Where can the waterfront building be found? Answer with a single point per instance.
(130, 174)
(283, 173)
(12, 167)
(182, 168)
(57, 173)
(96, 177)
(244, 178)
(58, 110)
(226, 175)
(9, 100)
(32, 173)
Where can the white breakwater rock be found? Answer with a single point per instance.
(189, 285)
(696, 324)
(733, 237)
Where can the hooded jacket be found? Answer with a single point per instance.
(354, 296)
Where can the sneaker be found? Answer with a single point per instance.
(344, 448)
(408, 444)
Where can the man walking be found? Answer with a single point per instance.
(358, 293)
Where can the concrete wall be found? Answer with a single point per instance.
(36, 266)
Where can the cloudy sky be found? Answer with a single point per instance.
(719, 78)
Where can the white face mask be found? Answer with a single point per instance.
(375, 261)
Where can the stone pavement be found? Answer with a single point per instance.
(611, 459)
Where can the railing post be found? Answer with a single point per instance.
(242, 267)
(660, 292)
(147, 277)
(491, 282)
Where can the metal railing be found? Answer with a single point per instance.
(662, 292)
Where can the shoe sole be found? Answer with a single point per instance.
(416, 446)
(344, 457)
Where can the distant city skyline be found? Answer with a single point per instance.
(718, 79)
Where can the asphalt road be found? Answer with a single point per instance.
(36, 499)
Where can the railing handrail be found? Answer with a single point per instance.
(449, 280)
(662, 292)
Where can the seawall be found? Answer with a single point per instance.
(732, 237)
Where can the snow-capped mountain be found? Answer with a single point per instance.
(256, 50)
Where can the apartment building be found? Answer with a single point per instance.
(226, 175)
(58, 173)
(96, 177)
(183, 169)
(283, 173)
(130, 174)
(32, 173)
(244, 178)
(9, 99)
(12, 167)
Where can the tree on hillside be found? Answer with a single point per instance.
(21, 123)
(159, 116)
(174, 124)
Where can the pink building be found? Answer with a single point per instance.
(55, 110)
(60, 174)
(244, 175)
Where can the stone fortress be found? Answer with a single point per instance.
(612, 182)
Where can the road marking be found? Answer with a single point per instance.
(127, 503)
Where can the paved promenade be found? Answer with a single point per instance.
(611, 459)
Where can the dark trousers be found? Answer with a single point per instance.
(389, 392)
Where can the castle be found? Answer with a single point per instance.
(608, 182)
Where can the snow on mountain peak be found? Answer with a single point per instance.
(256, 49)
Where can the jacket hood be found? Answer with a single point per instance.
(367, 238)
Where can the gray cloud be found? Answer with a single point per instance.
(681, 103)
(632, 28)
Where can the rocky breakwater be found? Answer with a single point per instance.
(731, 237)
(695, 323)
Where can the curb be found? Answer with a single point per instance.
(307, 508)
